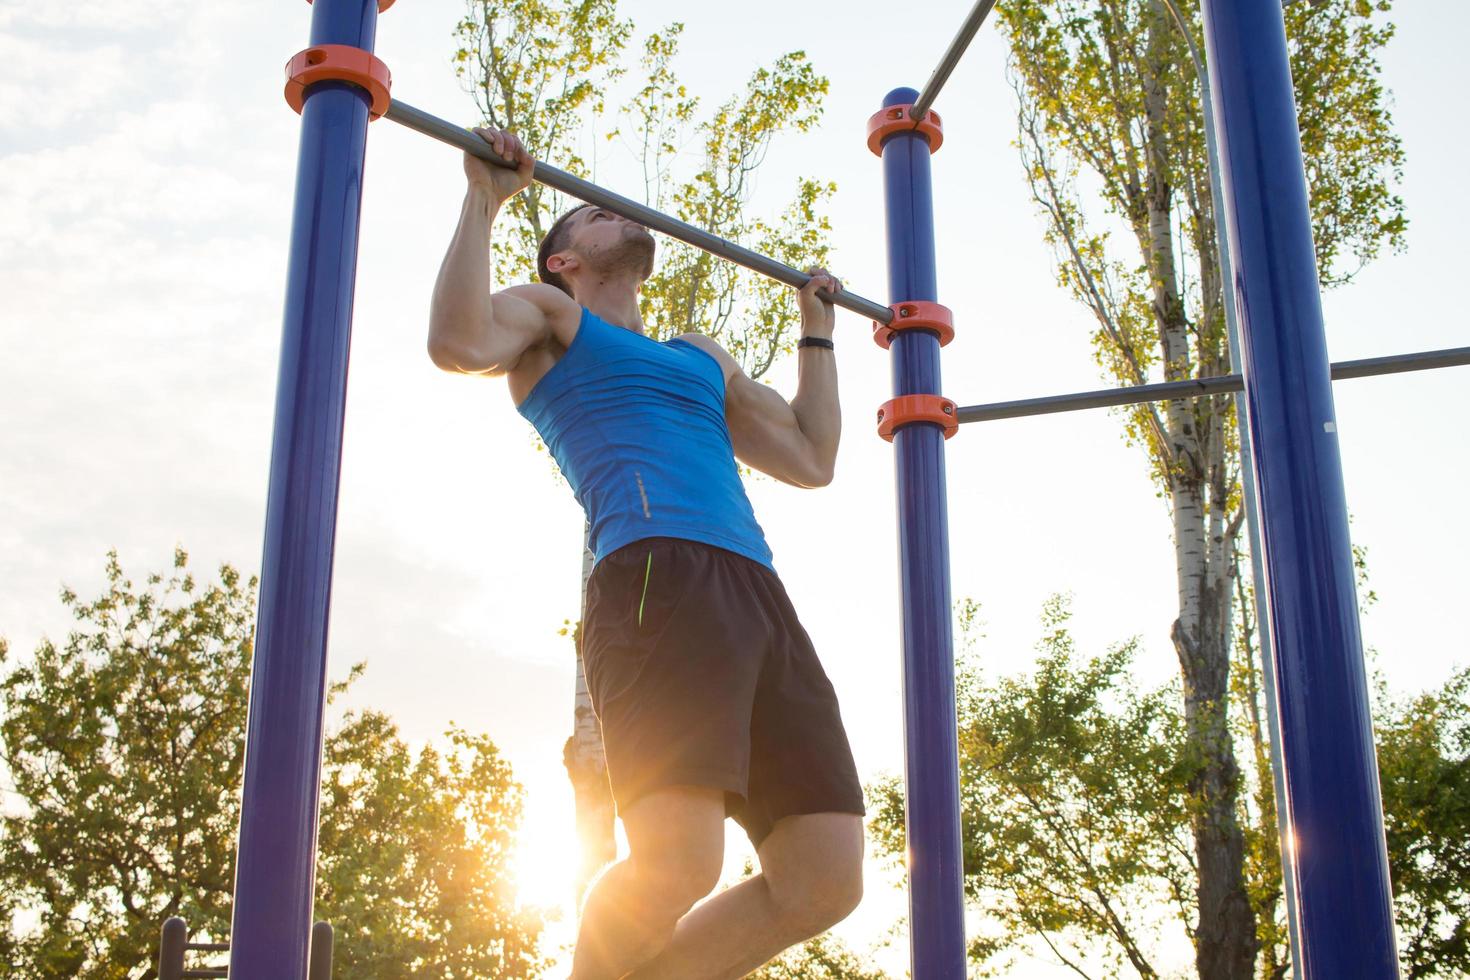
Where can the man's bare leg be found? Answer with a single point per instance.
(677, 842)
(811, 878)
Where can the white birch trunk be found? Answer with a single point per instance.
(1225, 934)
(586, 763)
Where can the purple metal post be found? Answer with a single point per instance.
(931, 768)
(1332, 797)
(276, 860)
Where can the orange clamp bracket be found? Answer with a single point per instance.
(916, 315)
(382, 5)
(339, 62)
(895, 119)
(917, 408)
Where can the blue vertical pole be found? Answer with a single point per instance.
(1332, 800)
(276, 858)
(931, 754)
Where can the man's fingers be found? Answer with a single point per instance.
(507, 146)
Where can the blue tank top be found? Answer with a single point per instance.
(638, 429)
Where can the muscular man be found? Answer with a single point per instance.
(712, 701)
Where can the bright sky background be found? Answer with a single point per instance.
(146, 179)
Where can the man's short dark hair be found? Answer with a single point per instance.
(556, 240)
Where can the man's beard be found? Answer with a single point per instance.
(631, 253)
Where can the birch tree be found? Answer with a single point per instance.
(1077, 820)
(1112, 147)
(544, 69)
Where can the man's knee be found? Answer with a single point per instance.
(819, 901)
(670, 882)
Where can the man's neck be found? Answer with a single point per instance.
(613, 300)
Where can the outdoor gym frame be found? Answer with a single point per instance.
(1331, 801)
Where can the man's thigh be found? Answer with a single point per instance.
(813, 867)
(678, 830)
(811, 853)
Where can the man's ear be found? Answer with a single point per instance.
(561, 262)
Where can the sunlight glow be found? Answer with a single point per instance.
(546, 864)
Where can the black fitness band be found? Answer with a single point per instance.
(814, 342)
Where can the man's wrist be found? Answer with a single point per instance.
(485, 196)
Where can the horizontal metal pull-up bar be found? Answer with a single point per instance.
(952, 56)
(582, 190)
(1197, 387)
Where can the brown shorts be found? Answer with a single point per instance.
(702, 676)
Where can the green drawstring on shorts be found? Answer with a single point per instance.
(647, 572)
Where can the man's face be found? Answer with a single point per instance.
(609, 243)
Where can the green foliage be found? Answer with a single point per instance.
(538, 68)
(125, 748)
(1353, 156)
(551, 85)
(416, 871)
(1077, 807)
(754, 317)
(1073, 797)
(1112, 142)
(820, 958)
(1107, 89)
(1424, 771)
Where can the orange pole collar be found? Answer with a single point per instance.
(895, 119)
(338, 62)
(906, 409)
(916, 315)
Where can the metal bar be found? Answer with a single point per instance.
(952, 56)
(171, 946)
(1333, 805)
(276, 860)
(1248, 493)
(583, 190)
(931, 754)
(1196, 387)
(322, 940)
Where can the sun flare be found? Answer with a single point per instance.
(548, 855)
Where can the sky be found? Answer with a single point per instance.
(146, 178)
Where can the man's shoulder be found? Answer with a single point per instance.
(545, 297)
(706, 344)
(712, 347)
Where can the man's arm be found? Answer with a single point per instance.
(795, 442)
(471, 331)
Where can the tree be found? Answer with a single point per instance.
(1424, 772)
(1074, 806)
(416, 870)
(125, 747)
(1113, 150)
(1076, 798)
(544, 69)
